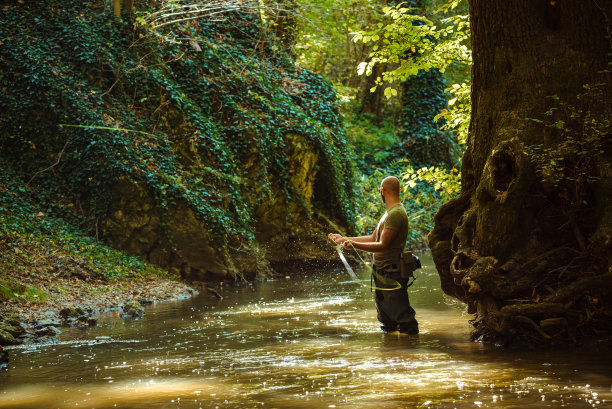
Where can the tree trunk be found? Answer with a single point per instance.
(284, 19)
(117, 8)
(531, 257)
(372, 103)
(128, 7)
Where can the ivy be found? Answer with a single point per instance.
(30, 232)
(180, 122)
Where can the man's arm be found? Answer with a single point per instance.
(336, 238)
(386, 238)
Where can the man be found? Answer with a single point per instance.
(387, 243)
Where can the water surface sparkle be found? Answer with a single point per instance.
(298, 343)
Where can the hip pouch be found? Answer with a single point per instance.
(408, 264)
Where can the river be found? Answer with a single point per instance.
(298, 342)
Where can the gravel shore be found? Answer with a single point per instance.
(76, 302)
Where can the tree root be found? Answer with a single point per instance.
(536, 311)
(595, 283)
(521, 319)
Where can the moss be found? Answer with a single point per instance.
(6, 338)
(71, 312)
(15, 329)
(133, 310)
(14, 291)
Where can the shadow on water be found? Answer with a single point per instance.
(298, 343)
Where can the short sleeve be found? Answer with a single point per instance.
(394, 221)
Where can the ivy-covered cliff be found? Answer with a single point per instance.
(199, 147)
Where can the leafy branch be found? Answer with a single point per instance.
(414, 42)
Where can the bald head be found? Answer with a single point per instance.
(391, 184)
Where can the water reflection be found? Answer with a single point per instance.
(302, 342)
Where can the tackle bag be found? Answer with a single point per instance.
(408, 264)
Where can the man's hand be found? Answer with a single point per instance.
(336, 238)
(347, 243)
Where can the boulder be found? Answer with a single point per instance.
(6, 338)
(71, 312)
(133, 310)
(48, 330)
(13, 326)
(47, 323)
(11, 329)
(144, 301)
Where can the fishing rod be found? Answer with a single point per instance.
(392, 284)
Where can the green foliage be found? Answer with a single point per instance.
(418, 44)
(579, 136)
(180, 122)
(446, 183)
(457, 116)
(373, 143)
(414, 141)
(424, 191)
(324, 36)
(422, 142)
(414, 42)
(368, 204)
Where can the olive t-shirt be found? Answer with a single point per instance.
(393, 219)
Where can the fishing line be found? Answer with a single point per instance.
(391, 283)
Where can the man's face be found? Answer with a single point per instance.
(382, 194)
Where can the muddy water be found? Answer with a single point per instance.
(298, 342)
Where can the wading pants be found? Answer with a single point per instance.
(393, 306)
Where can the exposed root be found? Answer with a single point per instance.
(593, 284)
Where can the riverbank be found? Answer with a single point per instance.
(49, 301)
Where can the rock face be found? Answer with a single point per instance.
(286, 227)
(134, 223)
(529, 250)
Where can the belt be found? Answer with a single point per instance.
(393, 268)
(385, 272)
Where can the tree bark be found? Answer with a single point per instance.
(372, 103)
(513, 241)
(117, 8)
(284, 18)
(128, 7)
